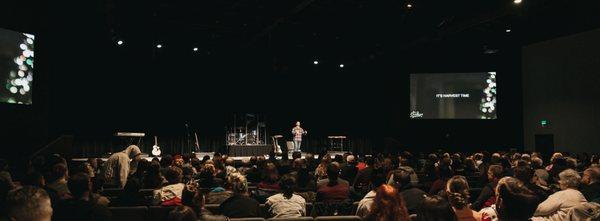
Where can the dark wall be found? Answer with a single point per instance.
(24, 127)
(560, 81)
(87, 86)
(459, 56)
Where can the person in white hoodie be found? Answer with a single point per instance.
(558, 205)
(117, 167)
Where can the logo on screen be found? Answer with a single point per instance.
(416, 114)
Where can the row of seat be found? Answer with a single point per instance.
(158, 213)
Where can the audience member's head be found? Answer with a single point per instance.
(174, 175)
(591, 175)
(435, 208)
(524, 174)
(378, 178)
(350, 159)
(444, 170)
(333, 173)
(388, 205)
(370, 161)
(34, 178)
(569, 178)
(555, 157)
(296, 155)
(238, 183)
(28, 204)
(287, 184)
(338, 158)
(132, 186)
(58, 171)
(494, 172)
(537, 163)
(540, 177)
(182, 213)
(298, 163)
(80, 185)
(229, 162)
(457, 189)
(514, 202)
(166, 161)
(205, 158)
(402, 179)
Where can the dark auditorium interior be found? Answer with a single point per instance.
(300, 110)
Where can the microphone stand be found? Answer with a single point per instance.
(187, 137)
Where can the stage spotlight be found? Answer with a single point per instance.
(120, 42)
(315, 62)
(517, 1)
(158, 46)
(508, 30)
(409, 6)
(341, 65)
(195, 49)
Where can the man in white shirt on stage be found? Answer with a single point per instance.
(297, 131)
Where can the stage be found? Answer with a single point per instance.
(249, 150)
(211, 154)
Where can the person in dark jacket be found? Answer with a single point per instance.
(412, 196)
(363, 176)
(131, 195)
(525, 175)
(487, 196)
(240, 205)
(591, 183)
(82, 206)
(349, 169)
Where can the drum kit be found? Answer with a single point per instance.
(239, 136)
(253, 131)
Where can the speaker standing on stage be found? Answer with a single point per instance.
(297, 131)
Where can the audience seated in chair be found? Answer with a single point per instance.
(513, 198)
(526, 175)
(333, 189)
(591, 183)
(412, 195)
(182, 213)
(366, 204)
(388, 205)
(286, 204)
(457, 190)
(83, 205)
(349, 170)
(131, 195)
(27, 204)
(240, 205)
(487, 196)
(435, 208)
(170, 195)
(557, 206)
(515, 202)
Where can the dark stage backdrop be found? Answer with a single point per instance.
(88, 87)
(561, 86)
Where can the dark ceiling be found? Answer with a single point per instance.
(342, 28)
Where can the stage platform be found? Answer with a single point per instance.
(211, 154)
(249, 150)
